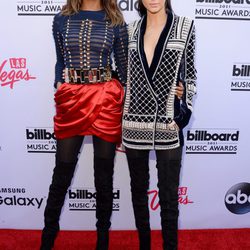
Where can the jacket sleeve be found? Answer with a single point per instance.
(59, 66)
(188, 77)
(121, 52)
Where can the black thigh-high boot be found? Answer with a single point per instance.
(139, 174)
(62, 176)
(103, 171)
(169, 217)
(168, 166)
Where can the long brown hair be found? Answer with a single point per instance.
(143, 11)
(110, 7)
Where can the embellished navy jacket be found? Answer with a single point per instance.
(86, 40)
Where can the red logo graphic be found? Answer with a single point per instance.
(16, 73)
(183, 198)
(120, 148)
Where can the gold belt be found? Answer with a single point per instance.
(83, 76)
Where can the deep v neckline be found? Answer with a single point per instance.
(159, 45)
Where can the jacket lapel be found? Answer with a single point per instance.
(142, 58)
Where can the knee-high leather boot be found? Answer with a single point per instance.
(103, 171)
(144, 240)
(62, 176)
(170, 236)
(139, 174)
(168, 182)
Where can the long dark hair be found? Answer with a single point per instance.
(113, 13)
(143, 11)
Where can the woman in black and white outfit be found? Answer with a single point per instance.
(161, 55)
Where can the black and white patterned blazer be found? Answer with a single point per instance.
(150, 102)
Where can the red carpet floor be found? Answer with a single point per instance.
(233, 239)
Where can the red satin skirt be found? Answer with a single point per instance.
(89, 109)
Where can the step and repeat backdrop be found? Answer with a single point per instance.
(215, 178)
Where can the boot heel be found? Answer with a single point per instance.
(102, 242)
(47, 242)
(144, 240)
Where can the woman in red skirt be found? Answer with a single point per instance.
(88, 102)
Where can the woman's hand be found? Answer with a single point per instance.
(58, 85)
(179, 91)
(173, 126)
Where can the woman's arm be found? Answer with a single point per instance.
(188, 76)
(121, 52)
(59, 67)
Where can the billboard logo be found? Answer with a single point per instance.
(240, 77)
(14, 71)
(39, 8)
(84, 199)
(128, 5)
(222, 9)
(40, 140)
(212, 141)
(237, 199)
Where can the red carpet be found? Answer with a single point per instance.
(233, 239)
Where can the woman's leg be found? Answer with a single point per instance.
(104, 154)
(168, 166)
(139, 174)
(66, 160)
